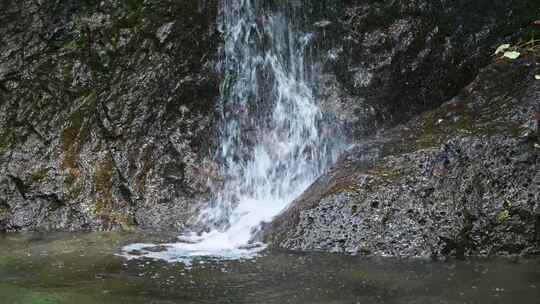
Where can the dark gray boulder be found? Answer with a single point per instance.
(462, 179)
(390, 60)
(106, 112)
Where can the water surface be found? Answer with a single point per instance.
(84, 268)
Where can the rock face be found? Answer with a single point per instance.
(106, 112)
(107, 121)
(462, 179)
(390, 60)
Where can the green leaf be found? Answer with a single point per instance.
(503, 216)
(502, 48)
(512, 55)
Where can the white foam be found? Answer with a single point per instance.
(285, 152)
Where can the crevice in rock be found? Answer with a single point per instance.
(21, 187)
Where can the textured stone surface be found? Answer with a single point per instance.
(392, 59)
(107, 122)
(106, 112)
(463, 179)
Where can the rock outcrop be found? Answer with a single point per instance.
(459, 179)
(106, 112)
(462, 179)
(108, 121)
(390, 60)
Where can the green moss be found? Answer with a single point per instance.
(113, 219)
(111, 213)
(124, 220)
(465, 116)
(147, 165)
(503, 216)
(3, 212)
(4, 133)
(383, 174)
(102, 178)
(69, 140)
(75, 187)
(77, 132)
(102, 206)
(39, 174)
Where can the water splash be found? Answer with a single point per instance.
(274, 140)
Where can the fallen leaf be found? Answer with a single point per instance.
(537, 77)
(512, 55)
(502, 48)
(537, 146)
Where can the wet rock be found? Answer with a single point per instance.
(105, 125)
(164, 31)
(401, 58)
(107, 121)
(433, 186)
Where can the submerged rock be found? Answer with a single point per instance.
(458, 180)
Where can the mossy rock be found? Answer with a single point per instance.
(103, 174)
(4, 212)
(503, 216)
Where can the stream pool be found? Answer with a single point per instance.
(84, 268)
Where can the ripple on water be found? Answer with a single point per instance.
(83, 268)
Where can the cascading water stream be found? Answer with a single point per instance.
(273, 137)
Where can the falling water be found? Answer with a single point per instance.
(274, 141)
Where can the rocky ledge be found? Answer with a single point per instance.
(462, 179)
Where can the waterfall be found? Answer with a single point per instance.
(273, 141)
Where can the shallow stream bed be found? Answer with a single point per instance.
(84, 268)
